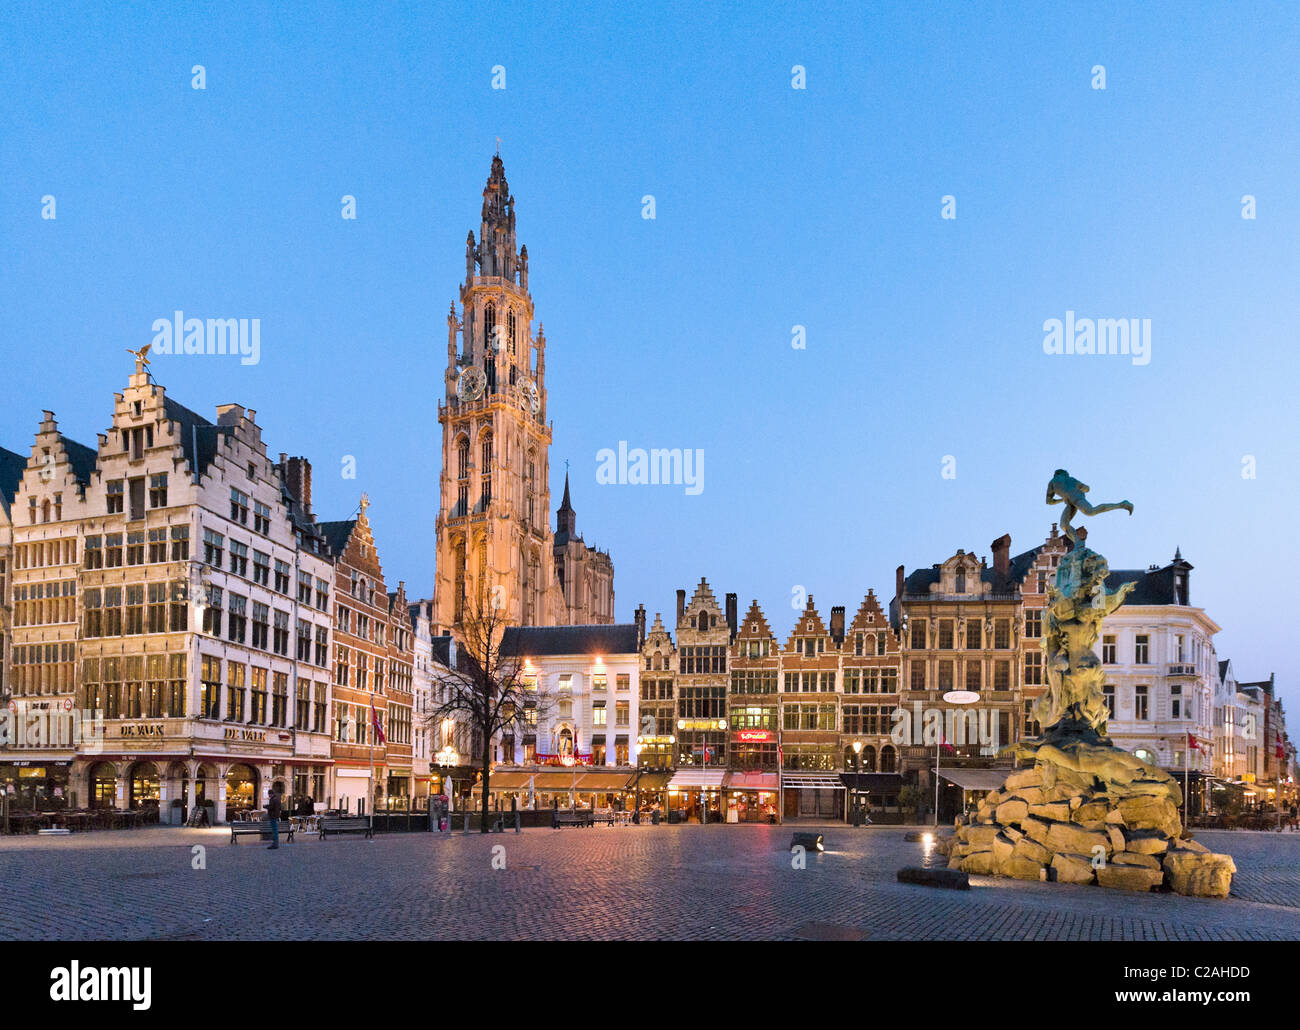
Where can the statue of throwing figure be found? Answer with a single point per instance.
(1065, 489)
(1074, 751)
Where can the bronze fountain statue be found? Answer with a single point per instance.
(1081, 810)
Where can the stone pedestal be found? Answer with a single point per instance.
(1046, 824)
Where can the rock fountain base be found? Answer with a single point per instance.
(1060, 821)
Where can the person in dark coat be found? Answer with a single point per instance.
(273, 806)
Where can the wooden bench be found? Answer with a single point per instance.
(341, 824)
(262, 826)
(570, 819)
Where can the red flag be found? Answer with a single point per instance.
(1281, 751)
(1193, 743)
(943, 743)
(374, 721)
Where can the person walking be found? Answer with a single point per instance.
(273, 814)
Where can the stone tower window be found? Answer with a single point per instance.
(462, 458)
(486, 471)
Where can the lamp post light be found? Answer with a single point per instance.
(857, 771)
(953, 697)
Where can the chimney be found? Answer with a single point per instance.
(681, 606)
(732, 614)
(297, 475)
(837, 624)
(639, 619)
(898, 583)
(1002, 558)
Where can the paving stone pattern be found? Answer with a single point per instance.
(634, 882)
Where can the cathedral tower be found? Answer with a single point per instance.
(493, 531)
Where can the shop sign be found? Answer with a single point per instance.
(755, 736)
(141, 729)
(255, 736)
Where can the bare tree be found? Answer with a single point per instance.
(486, 686)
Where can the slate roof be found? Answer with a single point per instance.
(620, 638)
(442, 649)
(1154, 586)
(336, 534)
(81, 457)
(189, 421)
(11, 474)
(919, 581)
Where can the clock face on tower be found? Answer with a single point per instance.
(529, 398)
(470, 383)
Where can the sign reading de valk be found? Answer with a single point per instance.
(141, 729)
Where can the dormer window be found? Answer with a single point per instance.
(961, 581)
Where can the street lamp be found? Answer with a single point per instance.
(857, 771)
(447, 757)
(953, 697)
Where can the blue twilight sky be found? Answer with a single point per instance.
(775, 207)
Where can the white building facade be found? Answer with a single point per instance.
(169, 586)
(1161, 670)
(579, 745)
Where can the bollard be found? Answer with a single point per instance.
(516, 820)
(467, 820)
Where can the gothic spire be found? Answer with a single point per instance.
(566, 519)
(497, 254)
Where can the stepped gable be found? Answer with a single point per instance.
(754, 625)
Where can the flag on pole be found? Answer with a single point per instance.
(1193, 743)
(943, 742)
(374, 721)
(1281, 751)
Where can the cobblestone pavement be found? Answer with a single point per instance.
(678, 882)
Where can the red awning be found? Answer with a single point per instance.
(752, 781)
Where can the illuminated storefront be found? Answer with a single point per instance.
(35, 786)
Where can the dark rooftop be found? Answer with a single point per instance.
(548, 640)
(11, 474)
(194, 429)
(336, 534)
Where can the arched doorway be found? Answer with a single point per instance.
(176, 782)
(144, 784)
(202, 776)
(241, 790)
(103, 786)
(202, 793)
